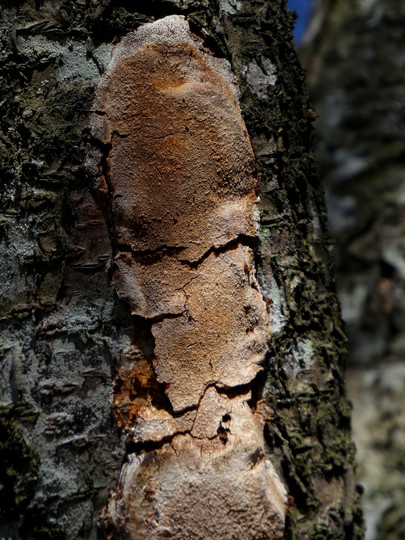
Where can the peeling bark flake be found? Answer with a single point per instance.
(182, 182)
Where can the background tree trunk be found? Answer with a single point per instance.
(355, 62)
(63, 326)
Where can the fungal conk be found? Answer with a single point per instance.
(181, 176)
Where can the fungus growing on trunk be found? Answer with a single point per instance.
(182, 181)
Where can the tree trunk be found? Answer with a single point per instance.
(355, 63)
(101, 301)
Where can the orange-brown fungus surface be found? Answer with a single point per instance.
(182, 182)
(181, 165)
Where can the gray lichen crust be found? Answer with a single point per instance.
(182, 179)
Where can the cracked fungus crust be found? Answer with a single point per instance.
(181, 166)
(182, 179)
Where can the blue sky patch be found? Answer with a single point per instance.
(303, 9)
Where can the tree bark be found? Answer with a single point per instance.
(355, 66)
(72, 335)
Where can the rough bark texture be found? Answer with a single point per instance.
(65, 330)
(356, 71)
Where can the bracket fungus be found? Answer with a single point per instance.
(182, 182)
